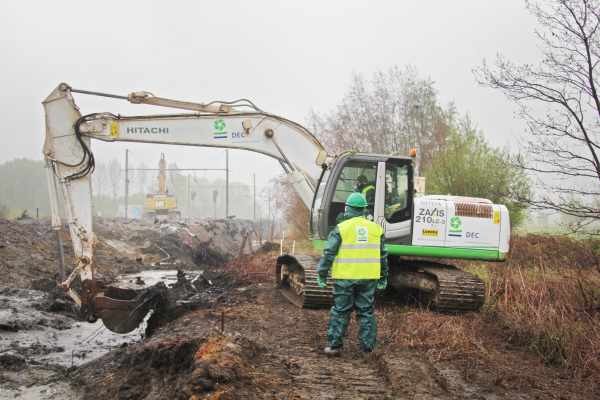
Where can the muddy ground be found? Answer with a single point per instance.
(28, 250)
(41, 337)
(243, 340)
(255, 345)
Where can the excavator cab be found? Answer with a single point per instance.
(390, 179)
(387, 183)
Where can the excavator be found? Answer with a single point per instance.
(418, 229)
(161, 204)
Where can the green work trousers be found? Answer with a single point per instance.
(348, 295)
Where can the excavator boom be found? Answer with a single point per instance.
(67, 150)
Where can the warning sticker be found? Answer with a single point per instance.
(430, 232)
(114, 130)
(496, 216)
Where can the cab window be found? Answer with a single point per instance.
(398, 201)
(356, 176)
(316, 209)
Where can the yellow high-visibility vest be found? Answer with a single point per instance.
(366, 190)
(359, 255)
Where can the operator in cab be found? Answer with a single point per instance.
(366, 188)
(355, 253)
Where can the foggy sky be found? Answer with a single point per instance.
(287, 56)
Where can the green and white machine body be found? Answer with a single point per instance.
(460, 227)
(440, 226)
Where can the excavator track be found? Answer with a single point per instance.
(454, 291)
(305, 292)
(457, 291)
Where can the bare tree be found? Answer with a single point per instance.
(292, 209)
(391, 113)
(115, 173)
(559, 101)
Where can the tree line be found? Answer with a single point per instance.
(558, 98)
(396, 110)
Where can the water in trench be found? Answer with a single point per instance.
(34, 339)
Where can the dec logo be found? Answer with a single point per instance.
(238, 135)
(472, 235)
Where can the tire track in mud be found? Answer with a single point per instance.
(294, 340)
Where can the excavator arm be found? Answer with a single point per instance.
(70, 161)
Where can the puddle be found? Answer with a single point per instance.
(151, 277)
(35, 344)
(52, 390)
(54, 339)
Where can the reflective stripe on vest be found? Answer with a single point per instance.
(359, 256)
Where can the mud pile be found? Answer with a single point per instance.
(177, 244)
(29, 255)
(179, 367)
(28, 250)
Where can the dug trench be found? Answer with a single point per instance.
(41, 339)
(248, 342)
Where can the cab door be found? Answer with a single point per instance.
(395, 199)
(351, 173)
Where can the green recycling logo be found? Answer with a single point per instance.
(455, 224)
(362, 234)
(219, 125)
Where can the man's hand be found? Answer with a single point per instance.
(322, 282)
(382, 283)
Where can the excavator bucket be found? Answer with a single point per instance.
(122, 310)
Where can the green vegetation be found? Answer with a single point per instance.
(396, 110)
(467, 166)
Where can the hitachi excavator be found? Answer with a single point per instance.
(161, 204)
(417, 228)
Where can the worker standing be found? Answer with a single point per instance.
(355, 249)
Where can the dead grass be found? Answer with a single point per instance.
(553, 313)
(546, 298)
(553, 253)
(253, 268)
(541, 319)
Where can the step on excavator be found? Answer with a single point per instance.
(418, 228)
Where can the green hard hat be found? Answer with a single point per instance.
(356, 200)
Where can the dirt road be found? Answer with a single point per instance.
(279, 356)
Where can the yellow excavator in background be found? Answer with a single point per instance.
(161, 205)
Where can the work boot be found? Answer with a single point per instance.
(332, 351)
